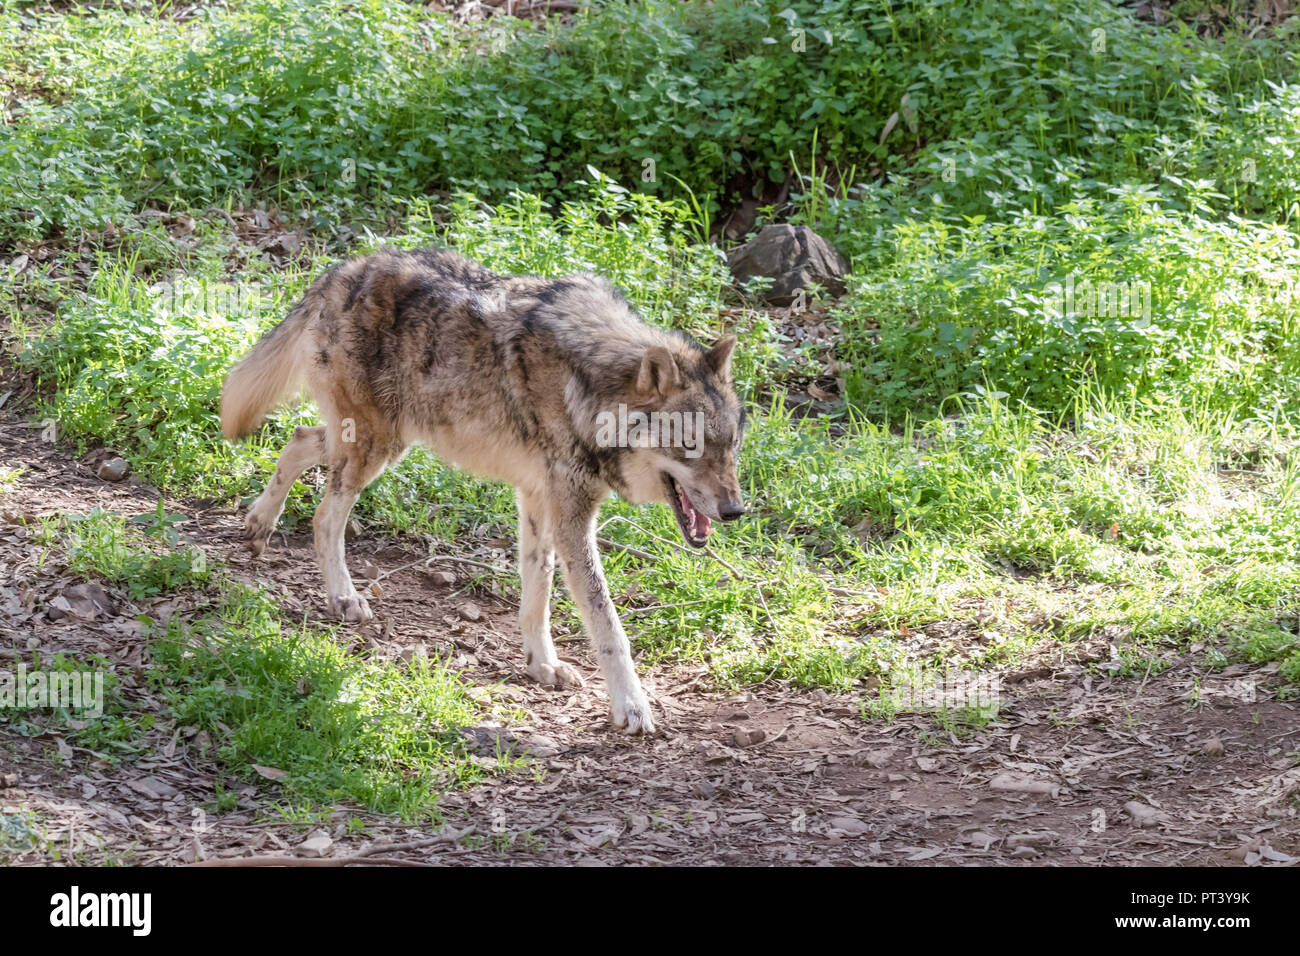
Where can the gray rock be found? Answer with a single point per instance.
(87, 601)
(113, 469)
(541, 746)
(441, 578)
(795, 257)
(316, 845)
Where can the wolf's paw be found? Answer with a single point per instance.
(351, 608)
(631, 714)
(257, 532)
(555, 674)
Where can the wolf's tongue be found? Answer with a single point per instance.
(699, 523)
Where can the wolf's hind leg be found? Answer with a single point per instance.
(306, 448)
(575, 540)
(536, 573)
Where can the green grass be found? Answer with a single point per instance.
(327, 725)
(291, 699)
(97, 543)
(1000, 524)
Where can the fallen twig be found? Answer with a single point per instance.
(410, 845)
(635, 552)
(308, 861)
(680, 547)
(442, 557)
(664, 607)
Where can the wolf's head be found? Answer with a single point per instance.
(682, 426)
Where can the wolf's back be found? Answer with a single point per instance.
(270, 373)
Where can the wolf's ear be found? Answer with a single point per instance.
(718, 358)
(658, 374)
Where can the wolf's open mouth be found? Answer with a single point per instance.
(694, 524)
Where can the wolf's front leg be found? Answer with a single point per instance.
(575, 539)
(536, 573)
(329, 523)
(353, 465)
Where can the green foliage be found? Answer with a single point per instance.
(640, 243)
(336, 105)
(1124, 296)
(138, 366)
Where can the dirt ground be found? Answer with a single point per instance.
(1179, 768)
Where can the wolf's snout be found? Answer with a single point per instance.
(730, 511)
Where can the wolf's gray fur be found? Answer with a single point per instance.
(506, 377)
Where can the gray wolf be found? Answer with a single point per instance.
(509, 377)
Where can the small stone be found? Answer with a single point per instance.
(152, 788)
(87, 601)
(287, 242)
(113, 469)
(1213, 747)
(704, 790)
(849, 825)
(317, 844)
(58, 608)
(879, 759)
(1143, 815)
(1040, 838)
(747, 738)
(470, 611)
(541, 746)
(409, 654)
(1245, 850)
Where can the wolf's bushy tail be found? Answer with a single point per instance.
(270, 373)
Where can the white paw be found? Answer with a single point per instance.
(630, 713)
(351, 608)
(555, 674)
